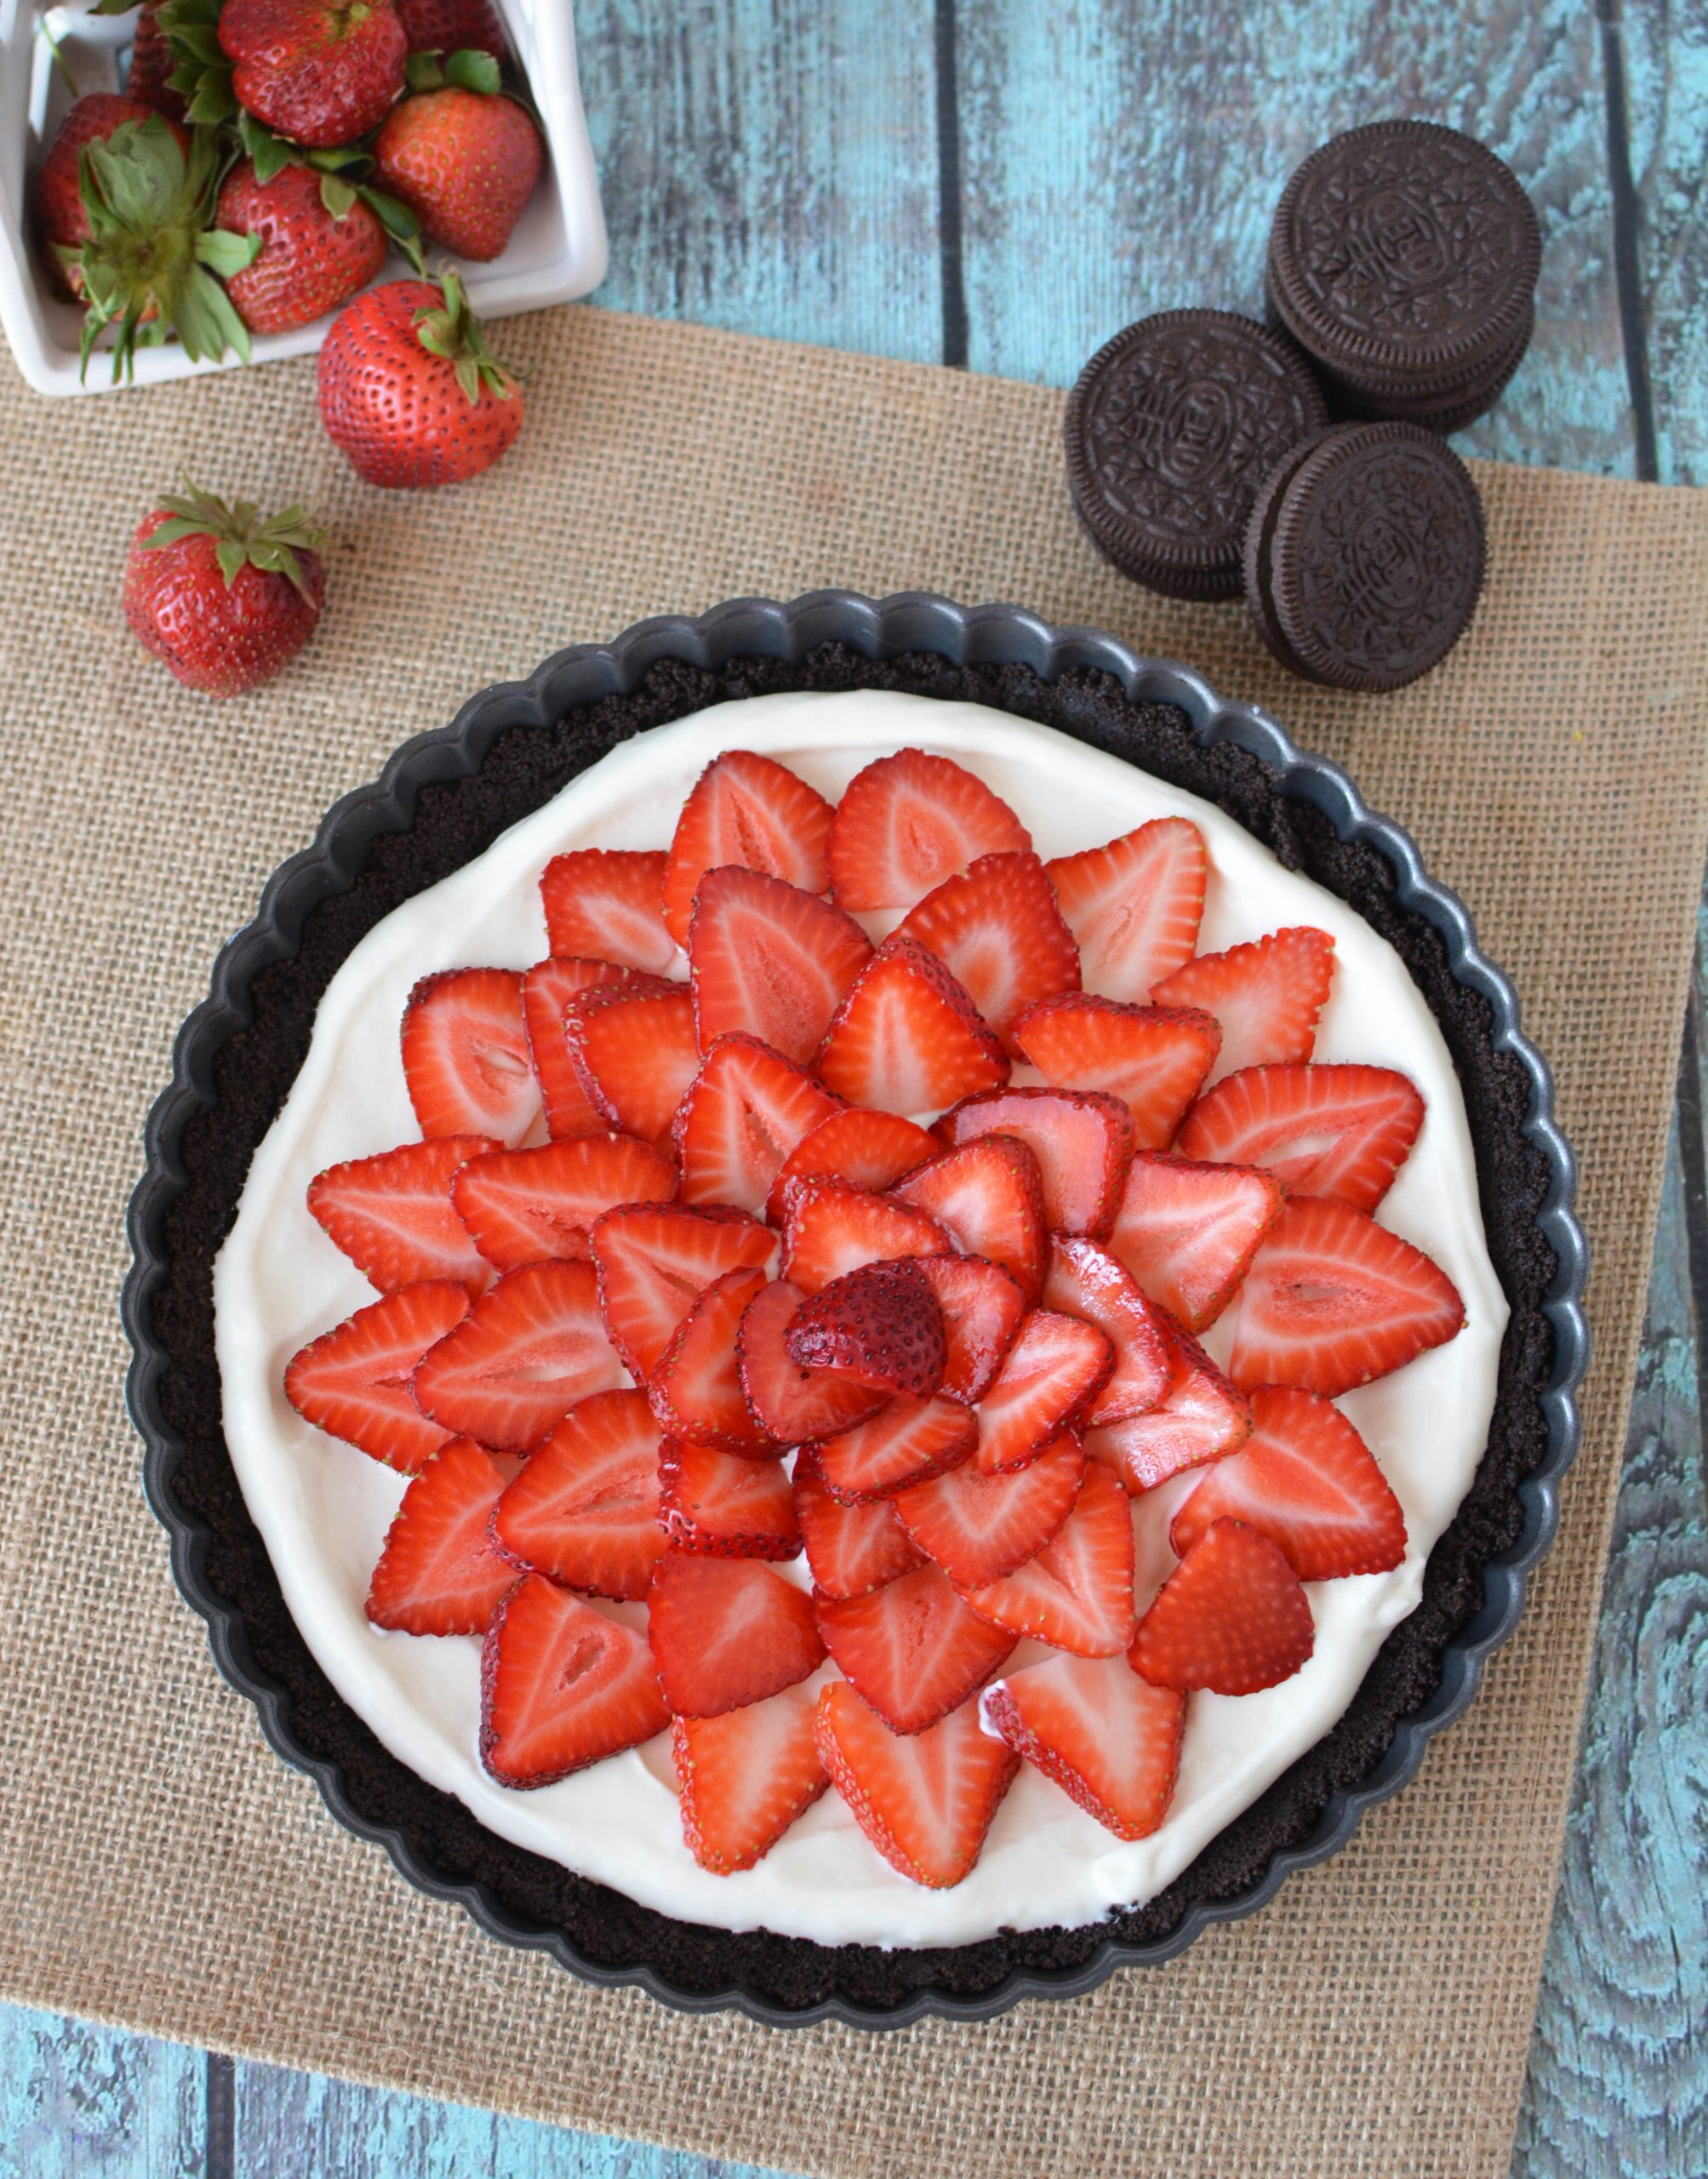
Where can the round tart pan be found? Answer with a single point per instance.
(444, 799)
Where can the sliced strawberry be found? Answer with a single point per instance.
(925, 1800)
(907, 822)
(979, 1527)
(832, 1231)
(1076, 1593)
(1155, 1059)
(633, 1049)
(561, 1685)
(982, 1306)
(1134, 905)
(998, 930)
(653, 1262)
(744, 1776)
(904, 1442)
(353, 1381)
(585, 1508)
(523, 1205)
(1109, 1740)
(1199, 1418)
(1056, 1364)
(744, 1113)
(907, 1038)
(1232, 1618)
(1306, 1479)
(1086, 1281)
(791, 1404)
(750, 810)
(530, 1348)
(912, 1649)
(393, 1217)
(860, 1148)
(1081, 1139)
(881, 1326)
(770, 959)
(851, 1549)
(1339, 1132)
(728, 1632)
(988, 1197)
(1267, 995)
(466, 1055)
(438, 1573)
(607, 902)
(1188, 1232)
(546, 990)
(1333, 1300)
(695, 1388)
(721, 1502)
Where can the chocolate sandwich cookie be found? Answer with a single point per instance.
(1172, 427)
(1445, 412)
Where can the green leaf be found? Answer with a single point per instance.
(337, 194)
(195, 42)
(227, 254)
(336, 158)
(112, 6)
(270, 154)
(468, 377)
(213, 99)
(474, 71)
(57, 58)
(170, 533)
(422, 72)
(231, 556)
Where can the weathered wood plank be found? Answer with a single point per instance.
(76, 2100)
(1666, 76)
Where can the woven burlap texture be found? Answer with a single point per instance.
(164, 1869)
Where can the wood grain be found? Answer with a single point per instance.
(76, 2099)
(1665, 46)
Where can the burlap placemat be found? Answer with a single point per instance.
(164, 1869)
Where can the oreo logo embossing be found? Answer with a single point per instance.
(1197, 431)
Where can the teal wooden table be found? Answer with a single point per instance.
(1001, 185)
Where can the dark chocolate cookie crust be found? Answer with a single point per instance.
(457, 819)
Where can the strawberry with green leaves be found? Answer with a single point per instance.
(463, 156)
(452, 26)
(311, 258)
(61, 219)
(321, 71)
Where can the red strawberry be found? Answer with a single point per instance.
(319, 71)
(633, 1049)
(1054, 1368)
(904, 1442)
(1134, 905)
(465, 162)
(881, 1326)
(1082, 1141)
(769, 958)
(863, 1149)
(439, 1573)
(907, 1038)
(728, 1632)
(311, 258)
(1188, 1232)
(979, 1527)
(562, 1685)
(998, 930)
(393, 1217)
(925, 1800)
(528, 1350)
(907, 822)
(695, 1388)
(585, 1509)
(982, 1306)
(466, 1056)
(1153, 1058)
(546, 990)
(1307, 1480)
(452, 26)
(791, 1404)
(1267, 995)
(1339, 1132)
(912, 1649)
(1199, 1418)
(353, 1381)
(743, 1115)
(744, 1778)
(1076, 1593)
(832, 1231)
(851, 1549)
(1333, 1300)
(62, 219)
(1086, 1281)
(988, 1197)
(1232, 1618)
(226, 599)
(1109, 1740)
(522, 1205)
(653, 1263)
(752, 811)
(721, 1503)
(152, 62)
(605, 902)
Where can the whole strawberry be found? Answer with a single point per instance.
(409, 390)
(452, 26)
(62, 217)
(321, 71)
(311, 258)
(465, 162)
(225, 597)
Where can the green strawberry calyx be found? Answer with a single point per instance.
(451, 330)
(470, 70)
(343, 171)
(243, 537)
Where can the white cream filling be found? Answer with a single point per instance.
(323, 1508)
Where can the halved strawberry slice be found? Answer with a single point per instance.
(1109, 1740)
(1232, 1618)
(744, 1113)
(695, 1388)
(998, 930)
(1086, 1281)
(1306, 1479)
(744, 1778)
(862, 1149)
(979, 1527)
(982, 1307)
(562, 1685)
(988, 1197)
(912, 1649)
(439, 1573)
(1081, 1139)
(925, 1800)
(721, 1502)
(393, 1217)
(653, 1262)
(530, 1348)
(546, 990)
(1199, 1418)
(881, 1326)
(907, 1038)
(1155, 1059)
(1134, 904)
(750, 810)
(832, 1231)
(1267, 995)
(791, 1404)
(353, 1381)
(1339, 1132)
(769, 959)
(1076, 1592)
(1333, 1300)
(905, 1441)
(851, 1549)
(1054, 1367)
(907, 822)
(728, 1632)
(466, 1056)
(609, 902)
(585, 1508)
(1188, 1232)
(523, 1205)
(633, 1049)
